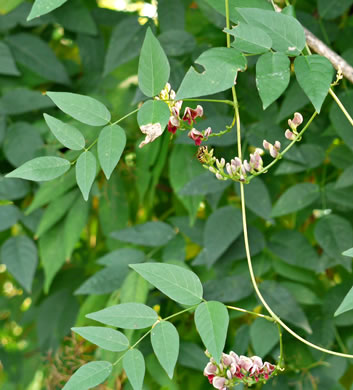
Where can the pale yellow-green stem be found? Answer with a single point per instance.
(246, 238)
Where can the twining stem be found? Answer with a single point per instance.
(341, 106)
(246, 238)
(280, 155)
(281, 354)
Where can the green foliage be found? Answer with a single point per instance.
(97, 231)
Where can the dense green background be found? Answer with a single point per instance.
(296, 244)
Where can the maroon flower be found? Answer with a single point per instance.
(196, 136)
(190, 114)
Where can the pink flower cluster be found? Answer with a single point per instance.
(234, 369)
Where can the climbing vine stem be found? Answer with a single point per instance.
(245, 231)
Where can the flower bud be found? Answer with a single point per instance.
(298, 119)
(266, 145)
(229, 169)
(289, 135)
(207, 132)
(277, 145)
(219, 176)
(219, 382)
(247, 166)
(236, 162)
(212, 169)
(259, 151)
(273, 151)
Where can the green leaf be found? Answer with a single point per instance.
(234, 6)
(89, 375)
(346, 179)
(22, 143)
(125, 43)
(86, 166)
(111, 144)
(42, 7)
(19, 254)
(134, 366)
(250, 39)
(126, 316)
(165, 343)
(177, 42)
(106, 338)
(82, 108)
(34, 53)
(18, 101)
(348, 252)
(41, 169)
(222, 228)
(154, 69)
(257, 198)
(204, 184)
(286, 32)
(183, 168)
(50, 191)
(152, 112)
(263, 336)
(7, 62)
(334, 234)
(292, 247)
(150, 234)
(340, 122)
(75, 222)
(123, 256)
(211, 81)
(178, 283)
(9, 215)
(347, 304)
(314, 74)
(284, 304)
(212, 320)
(55, 211)
(272, 76)
(52, 253)
(296, 198)
(68, 135)
(12, 189)
(330, 9)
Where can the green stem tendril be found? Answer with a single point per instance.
(246, 238)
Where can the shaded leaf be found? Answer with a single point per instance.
(150, 234)
(347, 303)
(296, 198)
(7, 62)
(263, 336)
(19, 254)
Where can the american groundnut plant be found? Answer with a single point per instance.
(271, 39)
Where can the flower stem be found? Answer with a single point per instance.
(246, 238)
(250, 312)
(341, 106)
(280, 155)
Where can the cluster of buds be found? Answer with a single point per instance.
(273, 149)
(234, 369)
(293, 124)
(236, 170)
